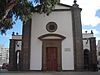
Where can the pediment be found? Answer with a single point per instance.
(52, 36)
(62, 6)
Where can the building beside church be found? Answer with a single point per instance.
(90, 51)
(50, 43)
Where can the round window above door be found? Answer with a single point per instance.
(51, 27)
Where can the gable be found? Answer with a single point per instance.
(62, 6)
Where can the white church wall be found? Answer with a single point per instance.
(36, 55)
(64, 21)
(67, 55)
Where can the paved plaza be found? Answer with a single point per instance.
(50, 73)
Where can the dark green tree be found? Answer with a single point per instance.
(23, 10)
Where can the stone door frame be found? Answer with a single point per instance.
(52, 40)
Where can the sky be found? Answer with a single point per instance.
(90, 17)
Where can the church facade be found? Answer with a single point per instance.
(51, 43)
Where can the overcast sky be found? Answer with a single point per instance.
(90, 17)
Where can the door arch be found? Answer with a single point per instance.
(51, 52)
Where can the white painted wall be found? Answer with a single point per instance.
(86, 41)
(86, 45)
(64, 22)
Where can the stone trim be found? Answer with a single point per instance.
(77, 39)
(26, 39)
(93, 55)
(16, 39)
(51, 27)
(61, 10)
(12, 66)
(88, 38)
(64, 5)
(56, 35)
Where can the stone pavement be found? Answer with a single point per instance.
(50, 73)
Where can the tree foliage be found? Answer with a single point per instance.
(23, 10)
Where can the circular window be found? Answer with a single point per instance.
(51, 27)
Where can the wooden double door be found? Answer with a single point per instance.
(51, 56)
(51, 59)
